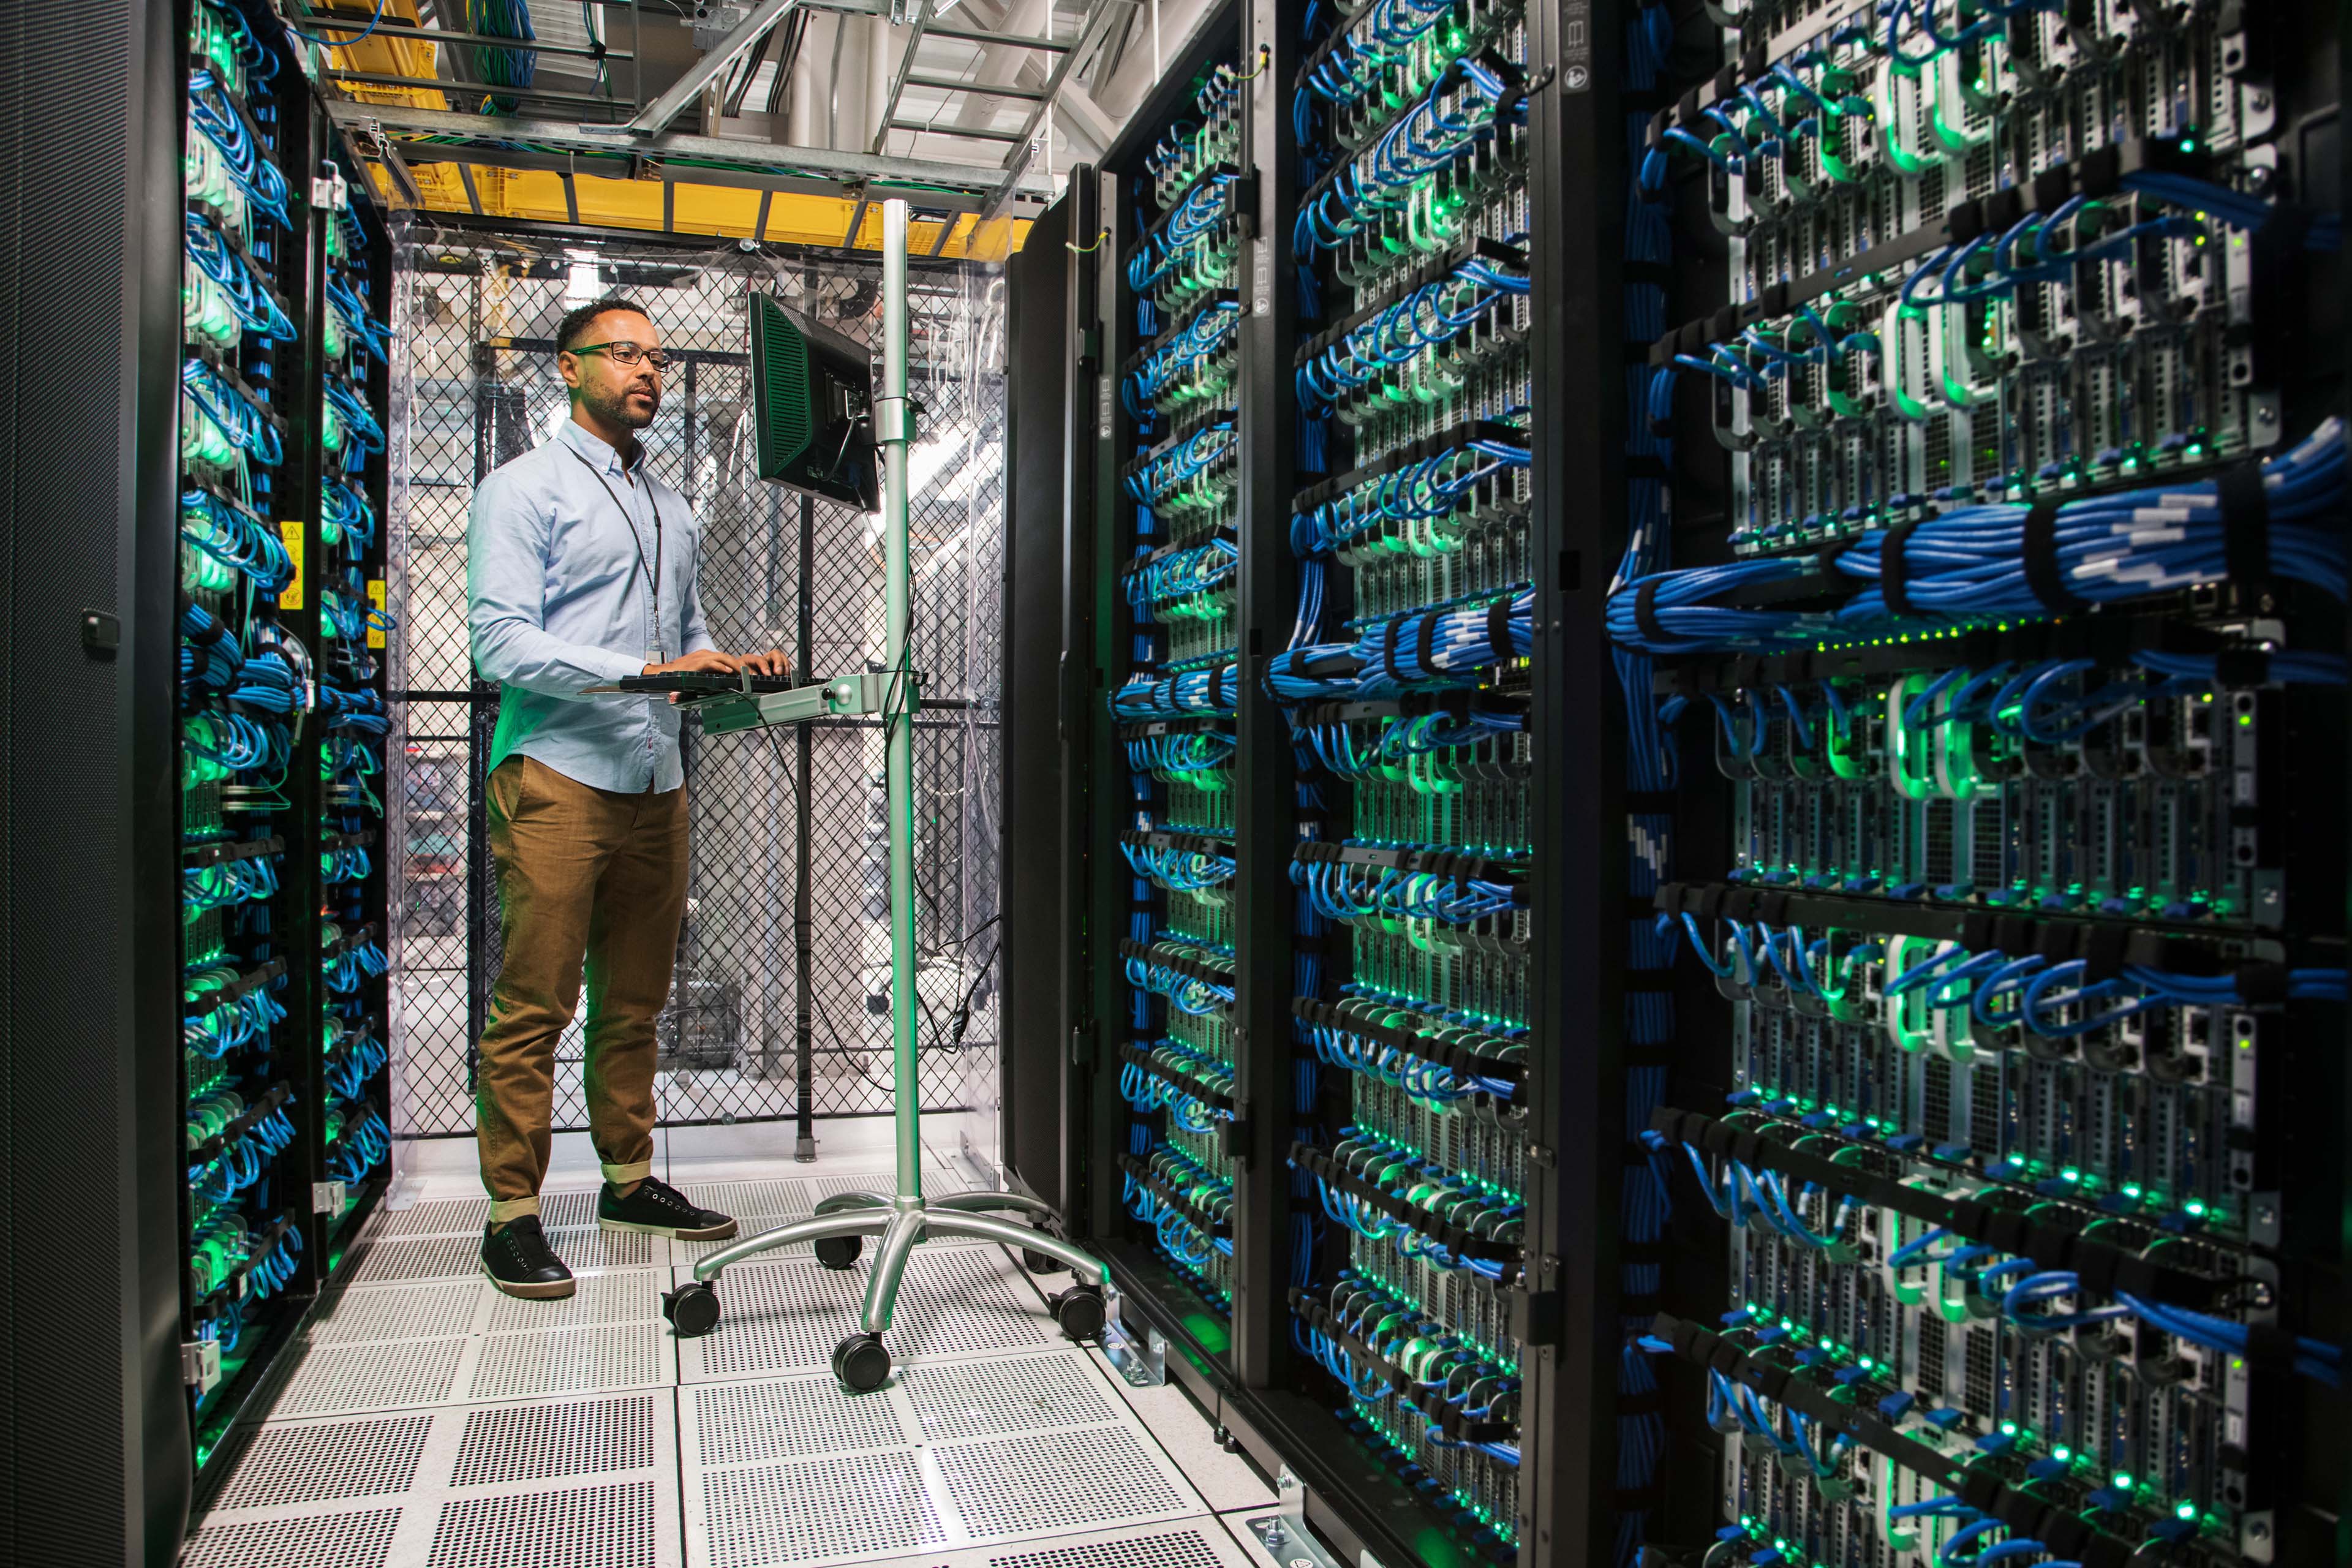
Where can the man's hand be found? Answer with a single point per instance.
(771, 662)
(708, 658)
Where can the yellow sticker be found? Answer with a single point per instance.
(290, 597)
(375, 598)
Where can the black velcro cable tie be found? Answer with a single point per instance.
(1424, 647)
(2045, 577)
(2261, 985)
(1388, 648)
(1893, 585)
(2242, 667)
(1498, 631)
(1646, 611)
(1651, 802)
(1825, 565)
(2245, 522)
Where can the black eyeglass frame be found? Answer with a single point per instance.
(657, 358)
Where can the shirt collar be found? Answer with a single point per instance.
(598, 451)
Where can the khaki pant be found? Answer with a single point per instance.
(584, 874)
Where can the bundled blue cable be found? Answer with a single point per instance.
(501, 68)
(1425, 650)
(1971, 563)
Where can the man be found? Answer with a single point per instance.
(580, 570)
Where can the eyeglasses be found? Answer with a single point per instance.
(625, 353)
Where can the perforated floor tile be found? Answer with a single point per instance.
(1186, 1543)
(609, 1526)
(787, 1316)
(417, 1258)
(742, 1423)
(1053, 1481)
(572, 1361)
(507, 1443)
(747, 1200)
(1200, 1545)
(816, 1510)
(335, 1380)
(563, 1211)
(589, 1247)
(426, 1311)
(625, 1296)
(782, 1317)
(442, 1216)
(276, 1466)
(346, 1539)
(1015, 1394)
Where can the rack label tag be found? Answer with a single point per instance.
(375, 598)
(290, 596)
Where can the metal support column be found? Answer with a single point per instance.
(1576, 164)
(1265, 813)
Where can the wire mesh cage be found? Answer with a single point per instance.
(780, 1002)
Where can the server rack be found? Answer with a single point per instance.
(2003, 965)
(284, 482)
(201, 560)
(1711, 224)
(1244, 1294)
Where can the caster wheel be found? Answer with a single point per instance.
(1080, 1311)
(1039, 1263)
(839, 1251)
(861, 1363)
(692, 1308)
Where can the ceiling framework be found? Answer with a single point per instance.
(764, 119)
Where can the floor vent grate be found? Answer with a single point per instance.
(820, 1508)
(338, 1380)
(740, 1423)
(540, 1442)
(397, 1313)
(346, 1540)
(988, 1398)
(1176, 1549)
(1054, 1481)
(584, 1527)
(282, 1464)
(570, 1360)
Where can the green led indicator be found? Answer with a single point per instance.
(2122, 1480)
(2184, 1511)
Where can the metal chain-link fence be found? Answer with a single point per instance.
(781, 1005)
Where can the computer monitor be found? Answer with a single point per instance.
(812, 400)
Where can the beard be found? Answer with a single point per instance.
(617, 408)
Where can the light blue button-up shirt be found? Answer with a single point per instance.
(560, 596)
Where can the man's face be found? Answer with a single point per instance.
(624, 395)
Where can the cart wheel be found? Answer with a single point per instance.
(839, 1251)
(1080, 1311)
(861, 1363)
(692, 1308)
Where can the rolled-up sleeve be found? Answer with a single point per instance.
(506, 581)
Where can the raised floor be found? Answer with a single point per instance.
(426, 1421)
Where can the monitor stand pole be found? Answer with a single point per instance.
(901, 1218)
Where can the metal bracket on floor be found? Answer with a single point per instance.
(1140, 1359)
(1284, 1532)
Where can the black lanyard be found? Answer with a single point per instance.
(654, 572)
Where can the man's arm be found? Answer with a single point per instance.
(506, 576)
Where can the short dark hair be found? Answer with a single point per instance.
(574, 325)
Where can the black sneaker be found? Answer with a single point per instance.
(520, 1262)
(656, 1208)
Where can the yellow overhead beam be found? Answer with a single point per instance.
(721, 211)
